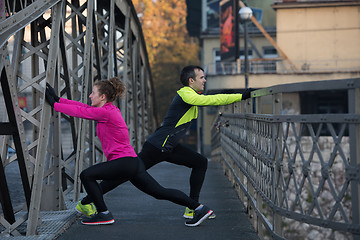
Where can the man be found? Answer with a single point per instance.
(163, 144)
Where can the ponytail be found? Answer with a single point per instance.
(111, 88)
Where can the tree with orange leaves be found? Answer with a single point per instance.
(168, 44)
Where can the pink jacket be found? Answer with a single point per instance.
(111, 127)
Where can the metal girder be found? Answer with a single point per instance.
(17, 132)
(18, 21)
(37, 185)
(68, 44)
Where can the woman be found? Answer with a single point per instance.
(122, 161)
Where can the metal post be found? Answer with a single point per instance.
(354, 134)
(2, 9)
(246, 70)
(259, 200)
(111, 52)
(245, 15)
(36, 191)
(237, 17)
(250, 187)
(277, 139)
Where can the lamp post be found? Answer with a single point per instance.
(245, 16)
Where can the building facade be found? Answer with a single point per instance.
(297, 41)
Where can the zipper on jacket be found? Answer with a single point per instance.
(165, 140)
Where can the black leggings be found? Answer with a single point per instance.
(133, 169)
(151, 156)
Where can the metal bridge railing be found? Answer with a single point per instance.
(69, 44)
(278, 65)
(292, 169)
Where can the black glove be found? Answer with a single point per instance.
(52, 93)
(50, 99)
(246, 94)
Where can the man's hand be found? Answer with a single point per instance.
(247, 93)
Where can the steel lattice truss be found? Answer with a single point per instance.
(69, 44)
(300, 167)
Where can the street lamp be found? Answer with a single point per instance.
(245, 15)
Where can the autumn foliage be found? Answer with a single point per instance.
(168, 44)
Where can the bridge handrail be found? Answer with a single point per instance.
(280, 66)
(293, 167)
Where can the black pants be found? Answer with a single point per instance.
(151, 156)
(180, 155)
(133, 169)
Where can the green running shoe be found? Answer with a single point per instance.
(87, 209)
(189, 214)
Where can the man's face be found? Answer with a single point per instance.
(198, 84)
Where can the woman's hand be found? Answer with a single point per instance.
(49, 98)
(50, 90)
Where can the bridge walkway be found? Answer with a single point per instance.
(139, 216)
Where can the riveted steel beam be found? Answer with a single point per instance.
(68, 44)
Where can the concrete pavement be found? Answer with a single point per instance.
(139, 216)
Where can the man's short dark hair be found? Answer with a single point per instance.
(188, 72)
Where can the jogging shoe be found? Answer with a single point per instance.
(199, 216)
(86, 209)
(99, 219)
(189, 214)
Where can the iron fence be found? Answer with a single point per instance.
(277, 65)
(290, 168)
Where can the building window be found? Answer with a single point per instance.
(212, 14)
(242, 53)
(269, 52)
(269, 65)
(217, 61)
(216, 57)
(324, 102)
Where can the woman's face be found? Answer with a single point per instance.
(97, 100)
